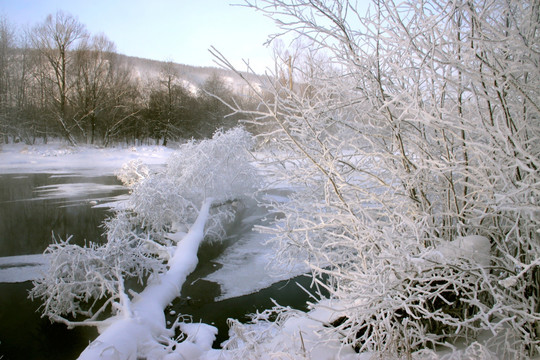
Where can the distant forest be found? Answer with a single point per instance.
(59, 81)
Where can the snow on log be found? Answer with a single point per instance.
(139, 328)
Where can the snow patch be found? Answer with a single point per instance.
(473, 247)
(202, 335)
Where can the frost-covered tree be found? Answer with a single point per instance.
(152, 238)
(415, 148)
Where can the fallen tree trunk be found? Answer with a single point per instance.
(139, 330)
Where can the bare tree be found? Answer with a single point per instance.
(168, 83)
(124, 105)
(213, 112)
(56, 39)
(7, 45)
(99, 82)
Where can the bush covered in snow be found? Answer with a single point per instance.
(153, 238)
(412, 135)
(217, 168)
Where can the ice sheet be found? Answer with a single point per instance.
(56, 191)
(248, 266)
(14, 269)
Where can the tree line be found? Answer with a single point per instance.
(59, 81)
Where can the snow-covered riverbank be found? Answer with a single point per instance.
(61, 158)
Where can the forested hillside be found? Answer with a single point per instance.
(59, 81)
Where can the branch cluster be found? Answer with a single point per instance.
(419, 132)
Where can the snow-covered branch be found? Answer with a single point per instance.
(413, 141)
(140, 328)
(153, 238)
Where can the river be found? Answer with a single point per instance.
(233, 278)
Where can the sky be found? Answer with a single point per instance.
(167, 30)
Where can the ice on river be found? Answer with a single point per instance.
(14, 269)
(248, 266)
(77, 190)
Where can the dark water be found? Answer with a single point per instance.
(30, 210)
(25, 335)
(197, 300)
(32, 206)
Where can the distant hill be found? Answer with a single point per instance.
(192, 76)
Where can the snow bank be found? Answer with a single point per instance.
(309, 335)
(88, 160)
(306, 335)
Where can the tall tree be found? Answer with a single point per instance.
(168, 83)
(170, 106)
(26, 95)
(95, 74)
(56, 39)
(214, 95)
(121, 120)
(7, 44)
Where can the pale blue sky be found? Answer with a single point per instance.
(177, 30)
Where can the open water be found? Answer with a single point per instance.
(34, 206)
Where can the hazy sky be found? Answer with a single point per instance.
(177, 30)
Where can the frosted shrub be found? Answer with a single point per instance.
(81, 277)
(132, 172)
(199, 166)
(217, 168)
(142, 234)
(404, 131)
